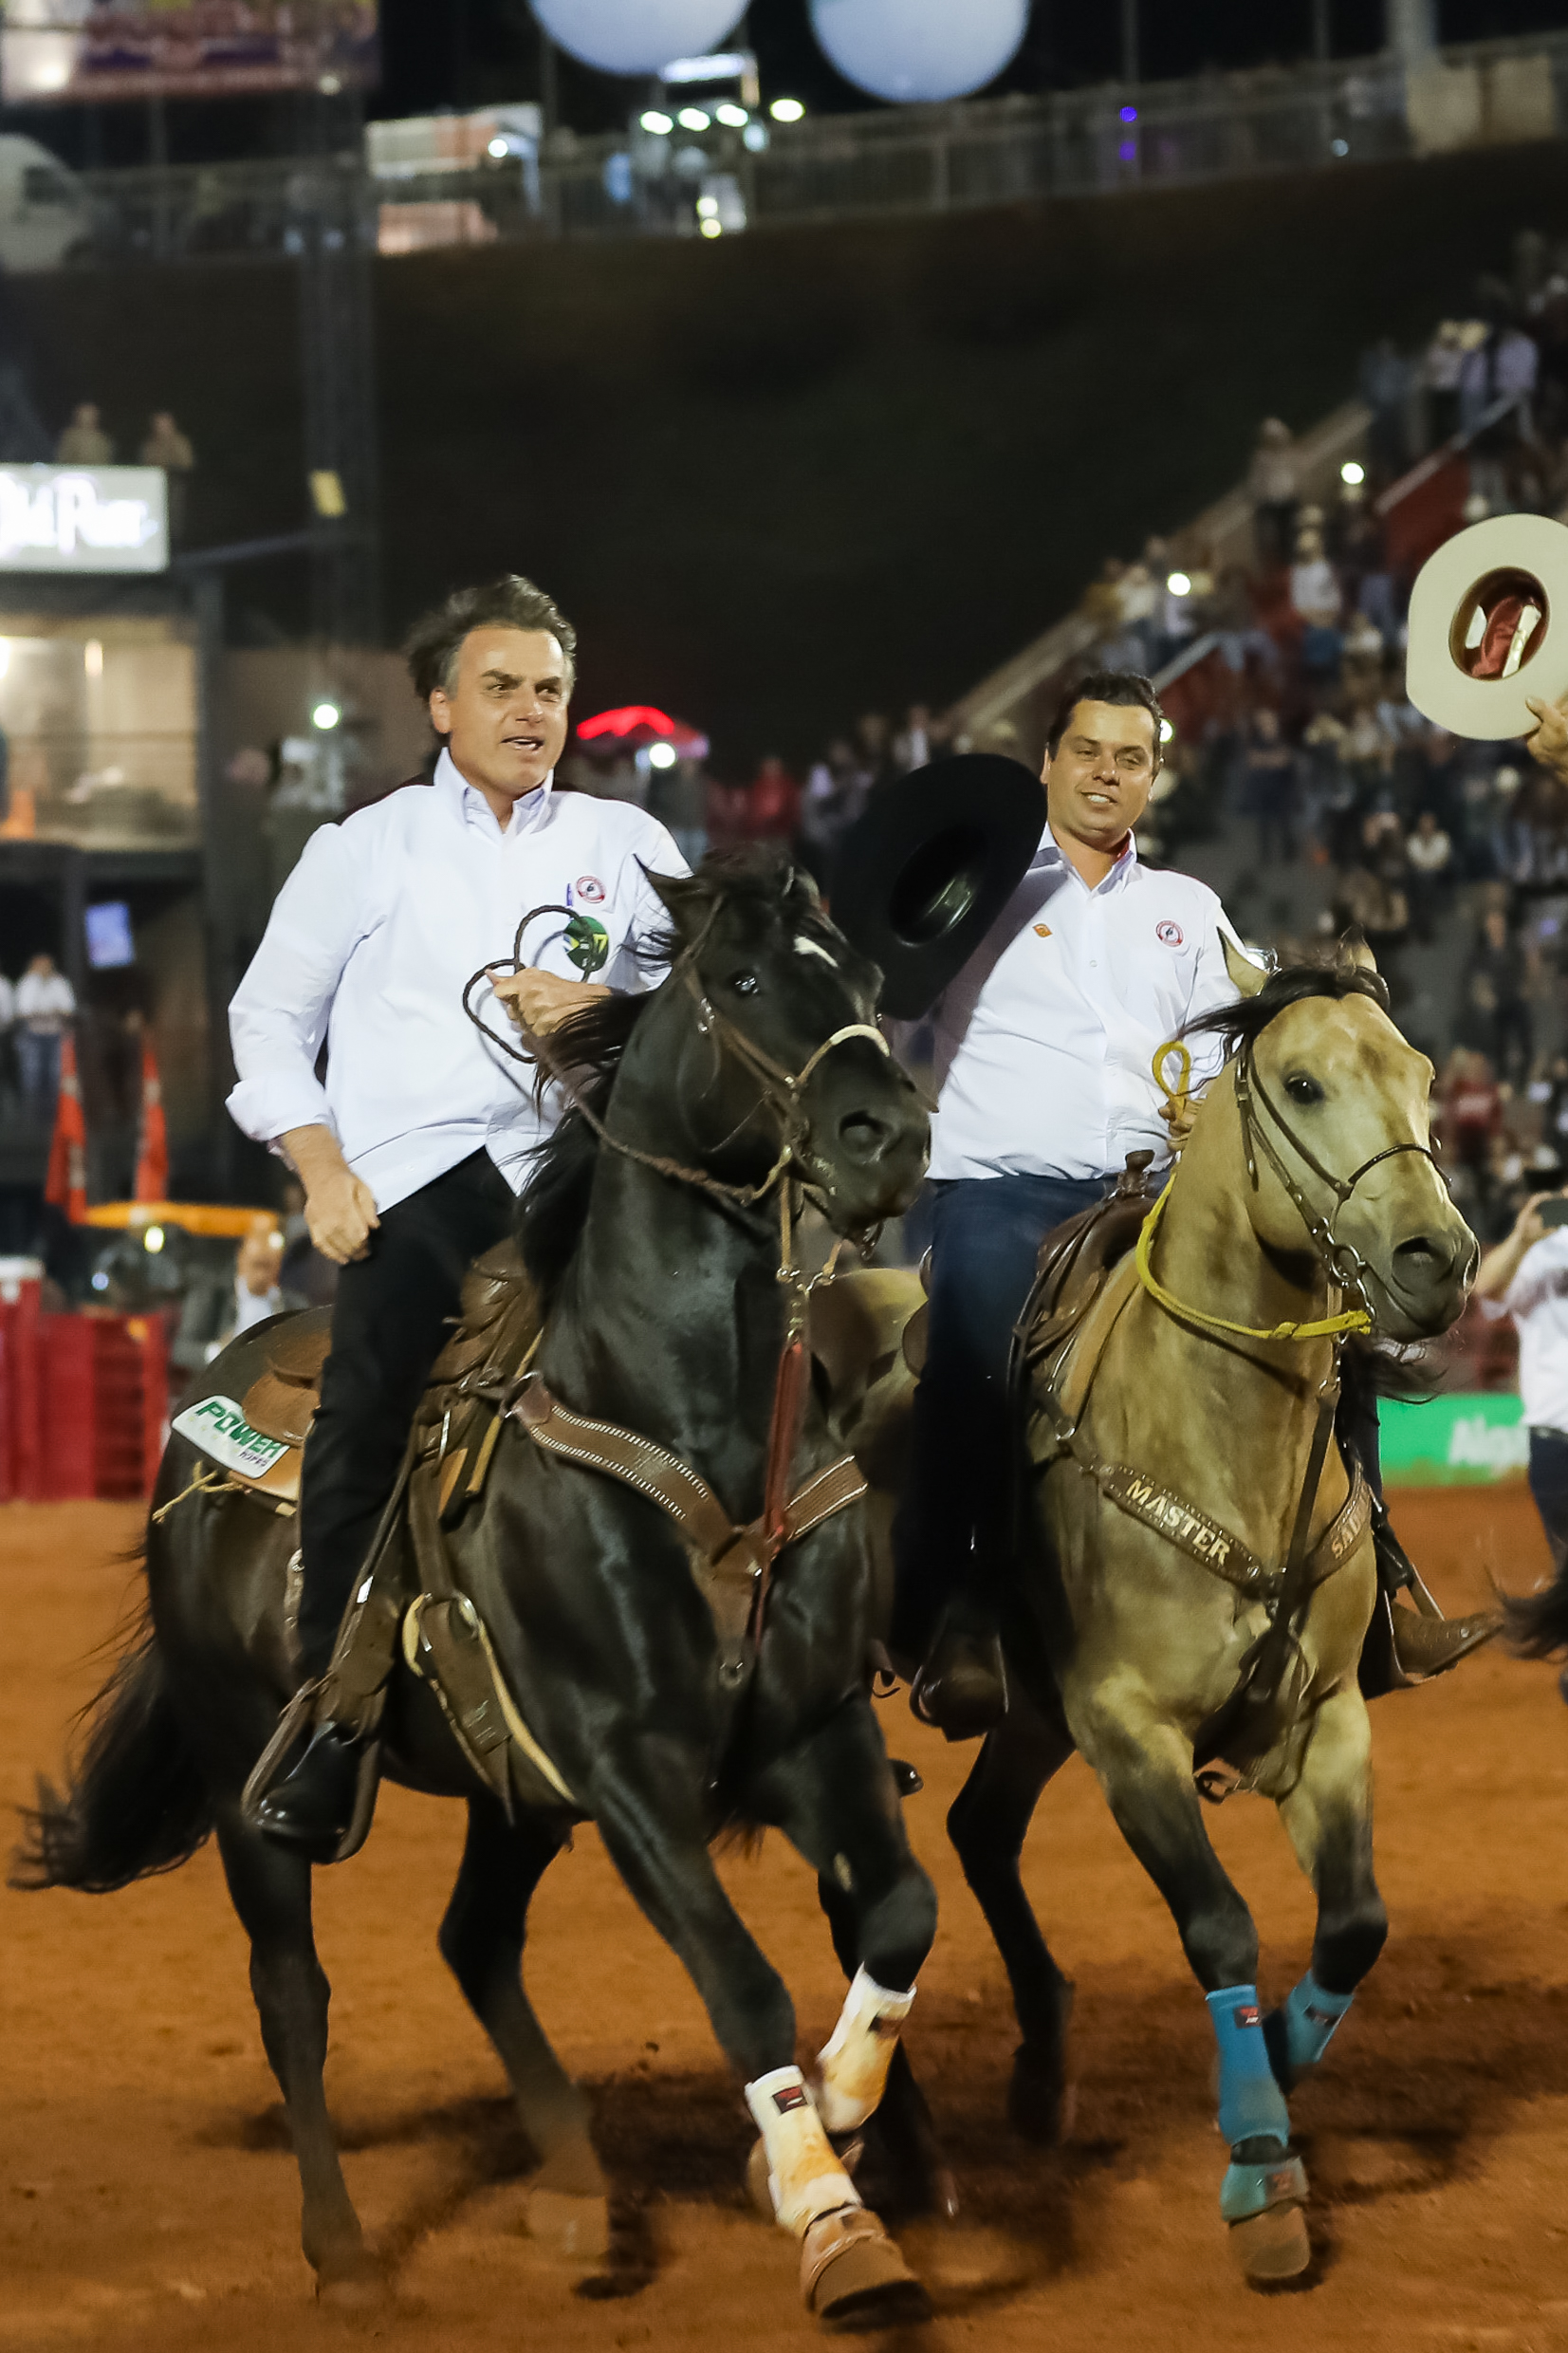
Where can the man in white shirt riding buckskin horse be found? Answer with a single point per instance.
(1044, 1043)
(413, 1148)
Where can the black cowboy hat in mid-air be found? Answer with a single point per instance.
(926, 869)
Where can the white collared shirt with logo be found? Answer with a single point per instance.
(1538, 1301)
(1044, 1042)
(371, 942)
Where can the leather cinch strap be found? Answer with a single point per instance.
(730, 1565)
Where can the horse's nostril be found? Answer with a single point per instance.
(1423, 1259)
(863, 1135)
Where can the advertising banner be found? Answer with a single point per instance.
(84, 519)
(57, 51)
(1454, 1439)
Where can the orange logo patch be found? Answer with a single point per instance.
(1043, 931)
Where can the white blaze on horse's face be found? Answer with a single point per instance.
(1349, 1086)
(805, 945)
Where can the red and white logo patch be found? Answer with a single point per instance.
(1247, 2015)
(589, 887)
(1169, 935)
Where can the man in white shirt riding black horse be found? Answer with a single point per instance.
(413, 1150)
(1044, 1043)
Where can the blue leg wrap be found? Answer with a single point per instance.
(1248, 2189)
(1310, 2017)
(1252, 2106)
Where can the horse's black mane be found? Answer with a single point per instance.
(761, 876)
(1248, 1017)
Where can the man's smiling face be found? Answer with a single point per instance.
(1099, 779)
(505, 714)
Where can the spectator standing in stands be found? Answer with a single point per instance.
(1386, 390)
(912, 745)
(7, 1016)
(1429, 854)
(1471, 1110)
(1444, 365)
(84, 442)
(1274, 484)
(1269, 788)
(45, 1002)
(835, 795)
(773, 812)
(1527, 1277)
(1500, 960)
(1315, 598)
(166, 446)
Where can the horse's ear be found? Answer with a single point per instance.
(1246, 978)
(1352, 954)
(687, 901)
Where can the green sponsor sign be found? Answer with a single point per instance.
(1451, 1440)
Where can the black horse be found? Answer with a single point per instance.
(664, 1315)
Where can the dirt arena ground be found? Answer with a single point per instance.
(148, 2198)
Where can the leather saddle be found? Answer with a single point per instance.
(1078, 1258)
(272, 1375)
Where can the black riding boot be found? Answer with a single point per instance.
(311, 1809)
(962, 1685)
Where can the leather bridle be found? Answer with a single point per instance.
(1343, 1262)
(779, 1090)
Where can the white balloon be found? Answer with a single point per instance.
(913, 50)
(637, 36)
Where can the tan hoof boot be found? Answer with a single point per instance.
(1273, 2245)
(853, 2275)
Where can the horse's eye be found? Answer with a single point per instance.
(1304, 1090)
(744, 983)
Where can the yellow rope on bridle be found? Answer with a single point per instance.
(1322, 1328)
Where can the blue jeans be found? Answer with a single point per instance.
(953, 1533)
(1549, 1486)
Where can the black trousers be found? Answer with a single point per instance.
(390, 1322)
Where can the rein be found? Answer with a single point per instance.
(750, 1553)
(781, 1089)
(1343, 1264)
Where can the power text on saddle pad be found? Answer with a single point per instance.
(221, 1431)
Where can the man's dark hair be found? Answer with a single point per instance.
(510, 602)
(1128, 686)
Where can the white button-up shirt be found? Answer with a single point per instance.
(1538, 1301)
(372, 939)
(1044, 1042)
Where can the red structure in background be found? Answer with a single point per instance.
(83, 1400)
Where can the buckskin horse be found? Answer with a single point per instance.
(1197, 1575)
(655, 1228)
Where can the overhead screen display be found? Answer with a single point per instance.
(53, 51)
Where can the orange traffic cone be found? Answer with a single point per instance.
(152, 1159)
(67, 1183)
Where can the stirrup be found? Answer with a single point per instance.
(962, 1685)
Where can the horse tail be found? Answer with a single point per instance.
(135, 1802)
(1536, 1624)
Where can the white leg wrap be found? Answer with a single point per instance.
(856, 2058)
(805, 2178)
